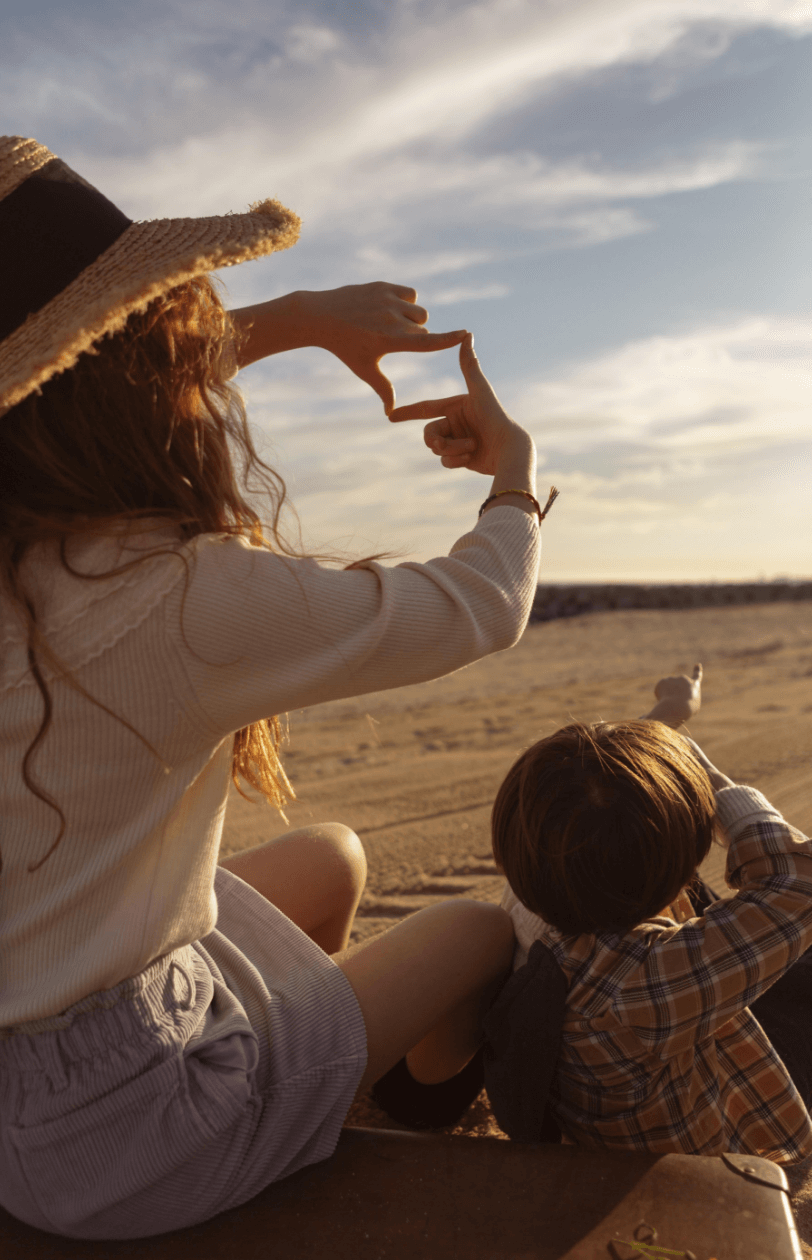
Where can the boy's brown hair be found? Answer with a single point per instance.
(599, 827)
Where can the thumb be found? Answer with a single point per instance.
(380, 382)
(475, 378)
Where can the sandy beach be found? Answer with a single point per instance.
(414, 771)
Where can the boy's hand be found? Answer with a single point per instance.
(678, 699)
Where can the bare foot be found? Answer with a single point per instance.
(678, 699)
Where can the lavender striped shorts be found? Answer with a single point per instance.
(186, 1089)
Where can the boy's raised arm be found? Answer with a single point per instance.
(718, 780)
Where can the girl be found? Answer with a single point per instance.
(176, 1035)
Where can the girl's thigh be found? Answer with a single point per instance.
(427, 983)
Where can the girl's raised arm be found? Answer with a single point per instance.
(359, 323)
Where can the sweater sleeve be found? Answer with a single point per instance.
(259, 634)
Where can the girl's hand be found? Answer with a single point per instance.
(360, 323)
(471, 430)
(679, 698)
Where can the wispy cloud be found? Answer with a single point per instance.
(374, 260)
(247, 98)
(378, 141)
(469, 293)
(462, 145)
(669, 435)
(733, 386)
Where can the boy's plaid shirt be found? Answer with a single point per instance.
(659, 1051)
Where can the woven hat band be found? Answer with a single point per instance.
(52, 226)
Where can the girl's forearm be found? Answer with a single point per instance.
(271, 328)
(515, 470)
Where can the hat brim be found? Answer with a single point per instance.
(148, 259)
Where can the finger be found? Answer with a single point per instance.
(428, 409)
(454, 461)
(444, 445)
(435, 435)
(444, 439)
(403, 291)
(474, 377)
(417, 314)
(380, 383)
(426, 341)
(697, 673)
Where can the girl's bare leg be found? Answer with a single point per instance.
(315, 875)
(424, 986)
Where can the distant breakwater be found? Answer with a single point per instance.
(572, 600)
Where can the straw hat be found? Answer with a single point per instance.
(73, 267)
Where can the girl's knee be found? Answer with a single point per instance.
(490, 921)
(339, 848)
(483, 930)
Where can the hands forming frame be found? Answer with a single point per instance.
(362, 323)
(358, 323)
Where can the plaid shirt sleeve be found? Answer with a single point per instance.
(690, 980)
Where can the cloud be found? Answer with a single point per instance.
(469, 293)
(310, 44)
(376, 141)
(504, 49)
(677, 435)
(522, 188)
(513, 179)
(238, 99)
(417, 140)
(375, 260)
(741, 385)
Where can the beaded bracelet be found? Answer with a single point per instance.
(525, 495)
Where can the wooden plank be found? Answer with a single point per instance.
(404, 1196)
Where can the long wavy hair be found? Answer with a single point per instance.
(145, 427)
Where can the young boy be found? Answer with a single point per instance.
(600, 830)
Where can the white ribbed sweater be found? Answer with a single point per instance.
(132, 877)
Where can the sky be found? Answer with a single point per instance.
(613, 195)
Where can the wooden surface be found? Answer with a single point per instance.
(406, 1197)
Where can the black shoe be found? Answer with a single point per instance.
(428, 1106)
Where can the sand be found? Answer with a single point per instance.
(414, 771)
